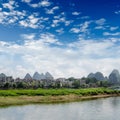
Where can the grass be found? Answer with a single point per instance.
(57, 92)
(16, 97)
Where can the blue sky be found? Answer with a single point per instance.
(66, 38)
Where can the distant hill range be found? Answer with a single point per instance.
(113, 78)
(38, 76)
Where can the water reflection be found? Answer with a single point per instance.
(100, 109)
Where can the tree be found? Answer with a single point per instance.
(14, 86)
(91, 80)
(6, 85)
(21, 85)
(103, 83)
(58, 84)
(71, 79)
(76, 84)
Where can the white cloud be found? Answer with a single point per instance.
(85, 17)
(49, 38)
(75, 30)
(63, 60)
(76, 13)
(28, 37)
(55, 23)
(11, 16)
(9, 5)
(111, 34)
(114, 28)
(51, 11)
(117, 12)
(33, 19)
(43, 3)
(84, 26)
(60, 19)
(100, 24)
(47, 53)
(28, 23)
(60, 31)
(32, 22)
(26, 1)
(22, 18)
(68, 22)
(101, 21)
(100, 27)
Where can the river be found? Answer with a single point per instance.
(99, 109)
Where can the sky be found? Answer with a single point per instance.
(66, 38)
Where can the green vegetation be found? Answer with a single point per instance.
(57, 92)
(55, 84)
(30, 96)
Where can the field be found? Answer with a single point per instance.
(57, 92)
(19, 97)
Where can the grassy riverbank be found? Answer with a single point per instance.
(17, 97)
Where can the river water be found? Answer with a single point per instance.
(99, 109)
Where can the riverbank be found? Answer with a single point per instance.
(21, 97)
(22, 100)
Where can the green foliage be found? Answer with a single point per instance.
(21, 85)
(76, 84)
(103, 83)
(56, 92)
(6, 85)
(91, 80)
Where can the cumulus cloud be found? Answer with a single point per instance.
(28, 37)
(76, 13)
(26, 1)
(100, 27)
(85, 17)
(84, 26)
(21, 17)
(117, 12)
(43, 3)
(60, 31)
(75, 30)
(31, 21)
(60, 19)
(11, 16)
(51, 11)
(46, 53)
(111, 34)
(101, 21)
(81, 28)
(9, 5)
(114, 28)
